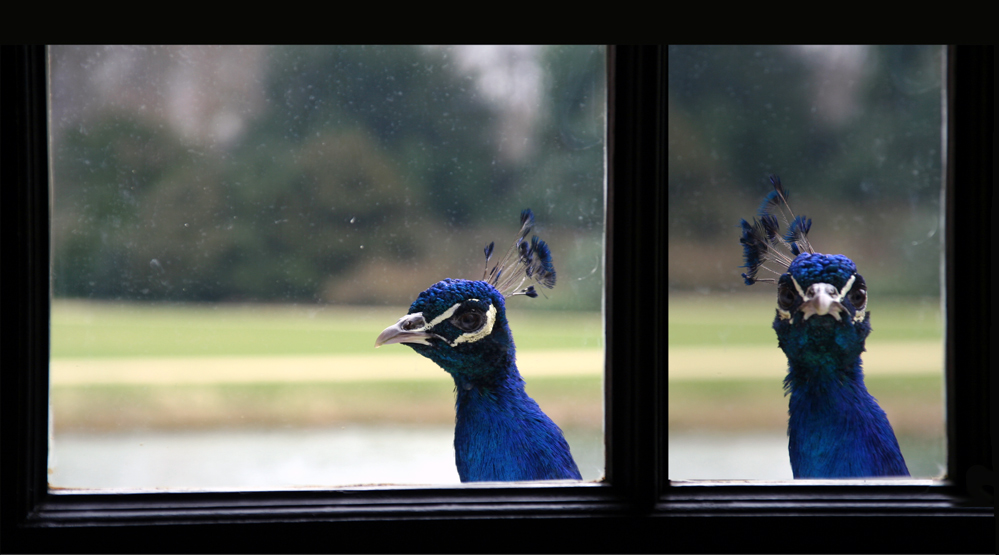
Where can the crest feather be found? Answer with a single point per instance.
(762, 241)
(525, 260)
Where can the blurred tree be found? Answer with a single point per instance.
(349, 160)
(853, 131)
(102, 175)
(411, 101)
(562, 178)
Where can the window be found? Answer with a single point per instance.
(854, 134)
(233, 226)
(636, 507)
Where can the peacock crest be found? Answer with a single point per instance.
(524, 261)
(762, 241)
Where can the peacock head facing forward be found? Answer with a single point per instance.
(461, 324)
(822, 319)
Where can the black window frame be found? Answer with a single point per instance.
(635, 508)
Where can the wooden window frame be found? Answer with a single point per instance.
(635, 508)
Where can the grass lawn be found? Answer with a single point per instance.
(746, 318)
(254, 364)
(726, 371)
(124, 365)
(109, 330)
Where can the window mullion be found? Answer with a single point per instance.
(635, 308)
(968, 152)
(26, 299)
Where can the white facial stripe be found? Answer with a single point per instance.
(469, 337)
(798, 287)
(859, 316)
(444, 316)
(848, 285)
(472, 337)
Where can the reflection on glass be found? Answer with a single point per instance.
(854, 133)
(233, 226)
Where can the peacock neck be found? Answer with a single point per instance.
(829, 386)
(827, 391)
(821, 370)
(501, 434)
(500, 388)
(488, 425)
(836, 428)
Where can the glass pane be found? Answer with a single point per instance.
(854, 133)
(234, 226)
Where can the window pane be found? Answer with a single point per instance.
(234, 226)
(854, 132)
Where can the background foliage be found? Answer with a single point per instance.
(854, 133)
(303, 174)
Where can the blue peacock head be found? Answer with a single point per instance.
(461, 324)
(822, 317)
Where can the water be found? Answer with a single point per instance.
(745, 456)
(387, 454)
(763, 456)
(271, 459)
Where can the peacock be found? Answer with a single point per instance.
(836, 429)
(500, 433)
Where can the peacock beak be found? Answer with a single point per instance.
(409, 329)
(821, 299)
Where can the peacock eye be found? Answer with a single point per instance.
(858, 297)
(416, 323)
(469, 321)
(785, 296)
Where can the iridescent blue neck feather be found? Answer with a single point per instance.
(501, 434)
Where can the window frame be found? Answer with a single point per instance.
(636, 503)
